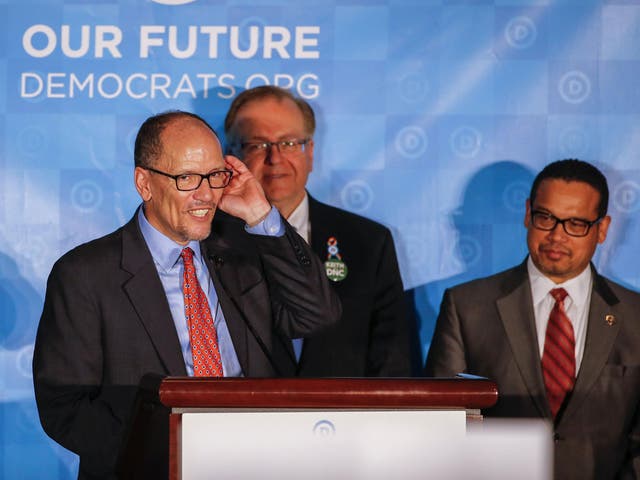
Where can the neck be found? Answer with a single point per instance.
(286, 208)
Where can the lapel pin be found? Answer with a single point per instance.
(334, 266)
(610, 319)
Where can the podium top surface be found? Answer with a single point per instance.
(327, 393)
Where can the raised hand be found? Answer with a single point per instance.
(244, 197)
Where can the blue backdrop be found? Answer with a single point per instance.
(434, 116)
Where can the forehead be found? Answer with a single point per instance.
(269, 115)
(187, 142)
(567, 198)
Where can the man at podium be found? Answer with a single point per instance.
(175, 291)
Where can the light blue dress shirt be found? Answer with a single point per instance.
(168, 262)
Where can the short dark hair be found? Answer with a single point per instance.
(268, 91)
(148, 146)
(573, 170)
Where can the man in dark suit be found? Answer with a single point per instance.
(117, 308)
(272, 132)
(574, 360)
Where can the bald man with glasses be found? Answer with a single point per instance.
(206, 280)
(561, 341)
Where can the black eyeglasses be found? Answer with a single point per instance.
(186, 182)
(261, 149)
(576, 227)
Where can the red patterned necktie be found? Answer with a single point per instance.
(202, 331)
(558, 358)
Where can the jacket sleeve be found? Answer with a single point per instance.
(75, 410)
(303, 302)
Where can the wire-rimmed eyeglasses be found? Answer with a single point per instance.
(262, 149)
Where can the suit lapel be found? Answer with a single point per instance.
(516, 312)
(148, 298)
(229, 285)
(319, 235)
(599, 342)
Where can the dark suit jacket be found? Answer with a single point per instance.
(372, 338)
(486, 327)
(106, 323)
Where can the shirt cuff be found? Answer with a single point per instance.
(271, 226)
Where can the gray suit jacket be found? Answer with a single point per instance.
(486, 327)
(106, 323)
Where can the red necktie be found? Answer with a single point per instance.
(202, 331)
(558, 358)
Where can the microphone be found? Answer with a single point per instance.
(217, 260)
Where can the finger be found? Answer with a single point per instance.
(235, 164)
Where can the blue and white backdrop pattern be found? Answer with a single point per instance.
(433, 115)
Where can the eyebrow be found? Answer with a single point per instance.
(546, 210)
(281, 138)
(191, 172)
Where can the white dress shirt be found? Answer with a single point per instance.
(576, 305)
(299, 219)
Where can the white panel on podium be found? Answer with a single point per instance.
(353, 445)
(304, 444)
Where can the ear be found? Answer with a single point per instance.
(142, 178)
(603, 228)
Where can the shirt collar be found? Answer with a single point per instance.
(578, 287)
(165, 252)
(299, 218)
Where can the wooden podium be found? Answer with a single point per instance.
(155, 438)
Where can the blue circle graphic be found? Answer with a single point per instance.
(324, 428)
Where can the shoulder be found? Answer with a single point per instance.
(96, 260)
(614, 292)
(497, 284)
(107, 252)
(225, 224)
(96, 248)
(342, 219)
(228, 232)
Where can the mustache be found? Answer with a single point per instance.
(555, 247)
(202, 204)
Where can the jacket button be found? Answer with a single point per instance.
(556, 437)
